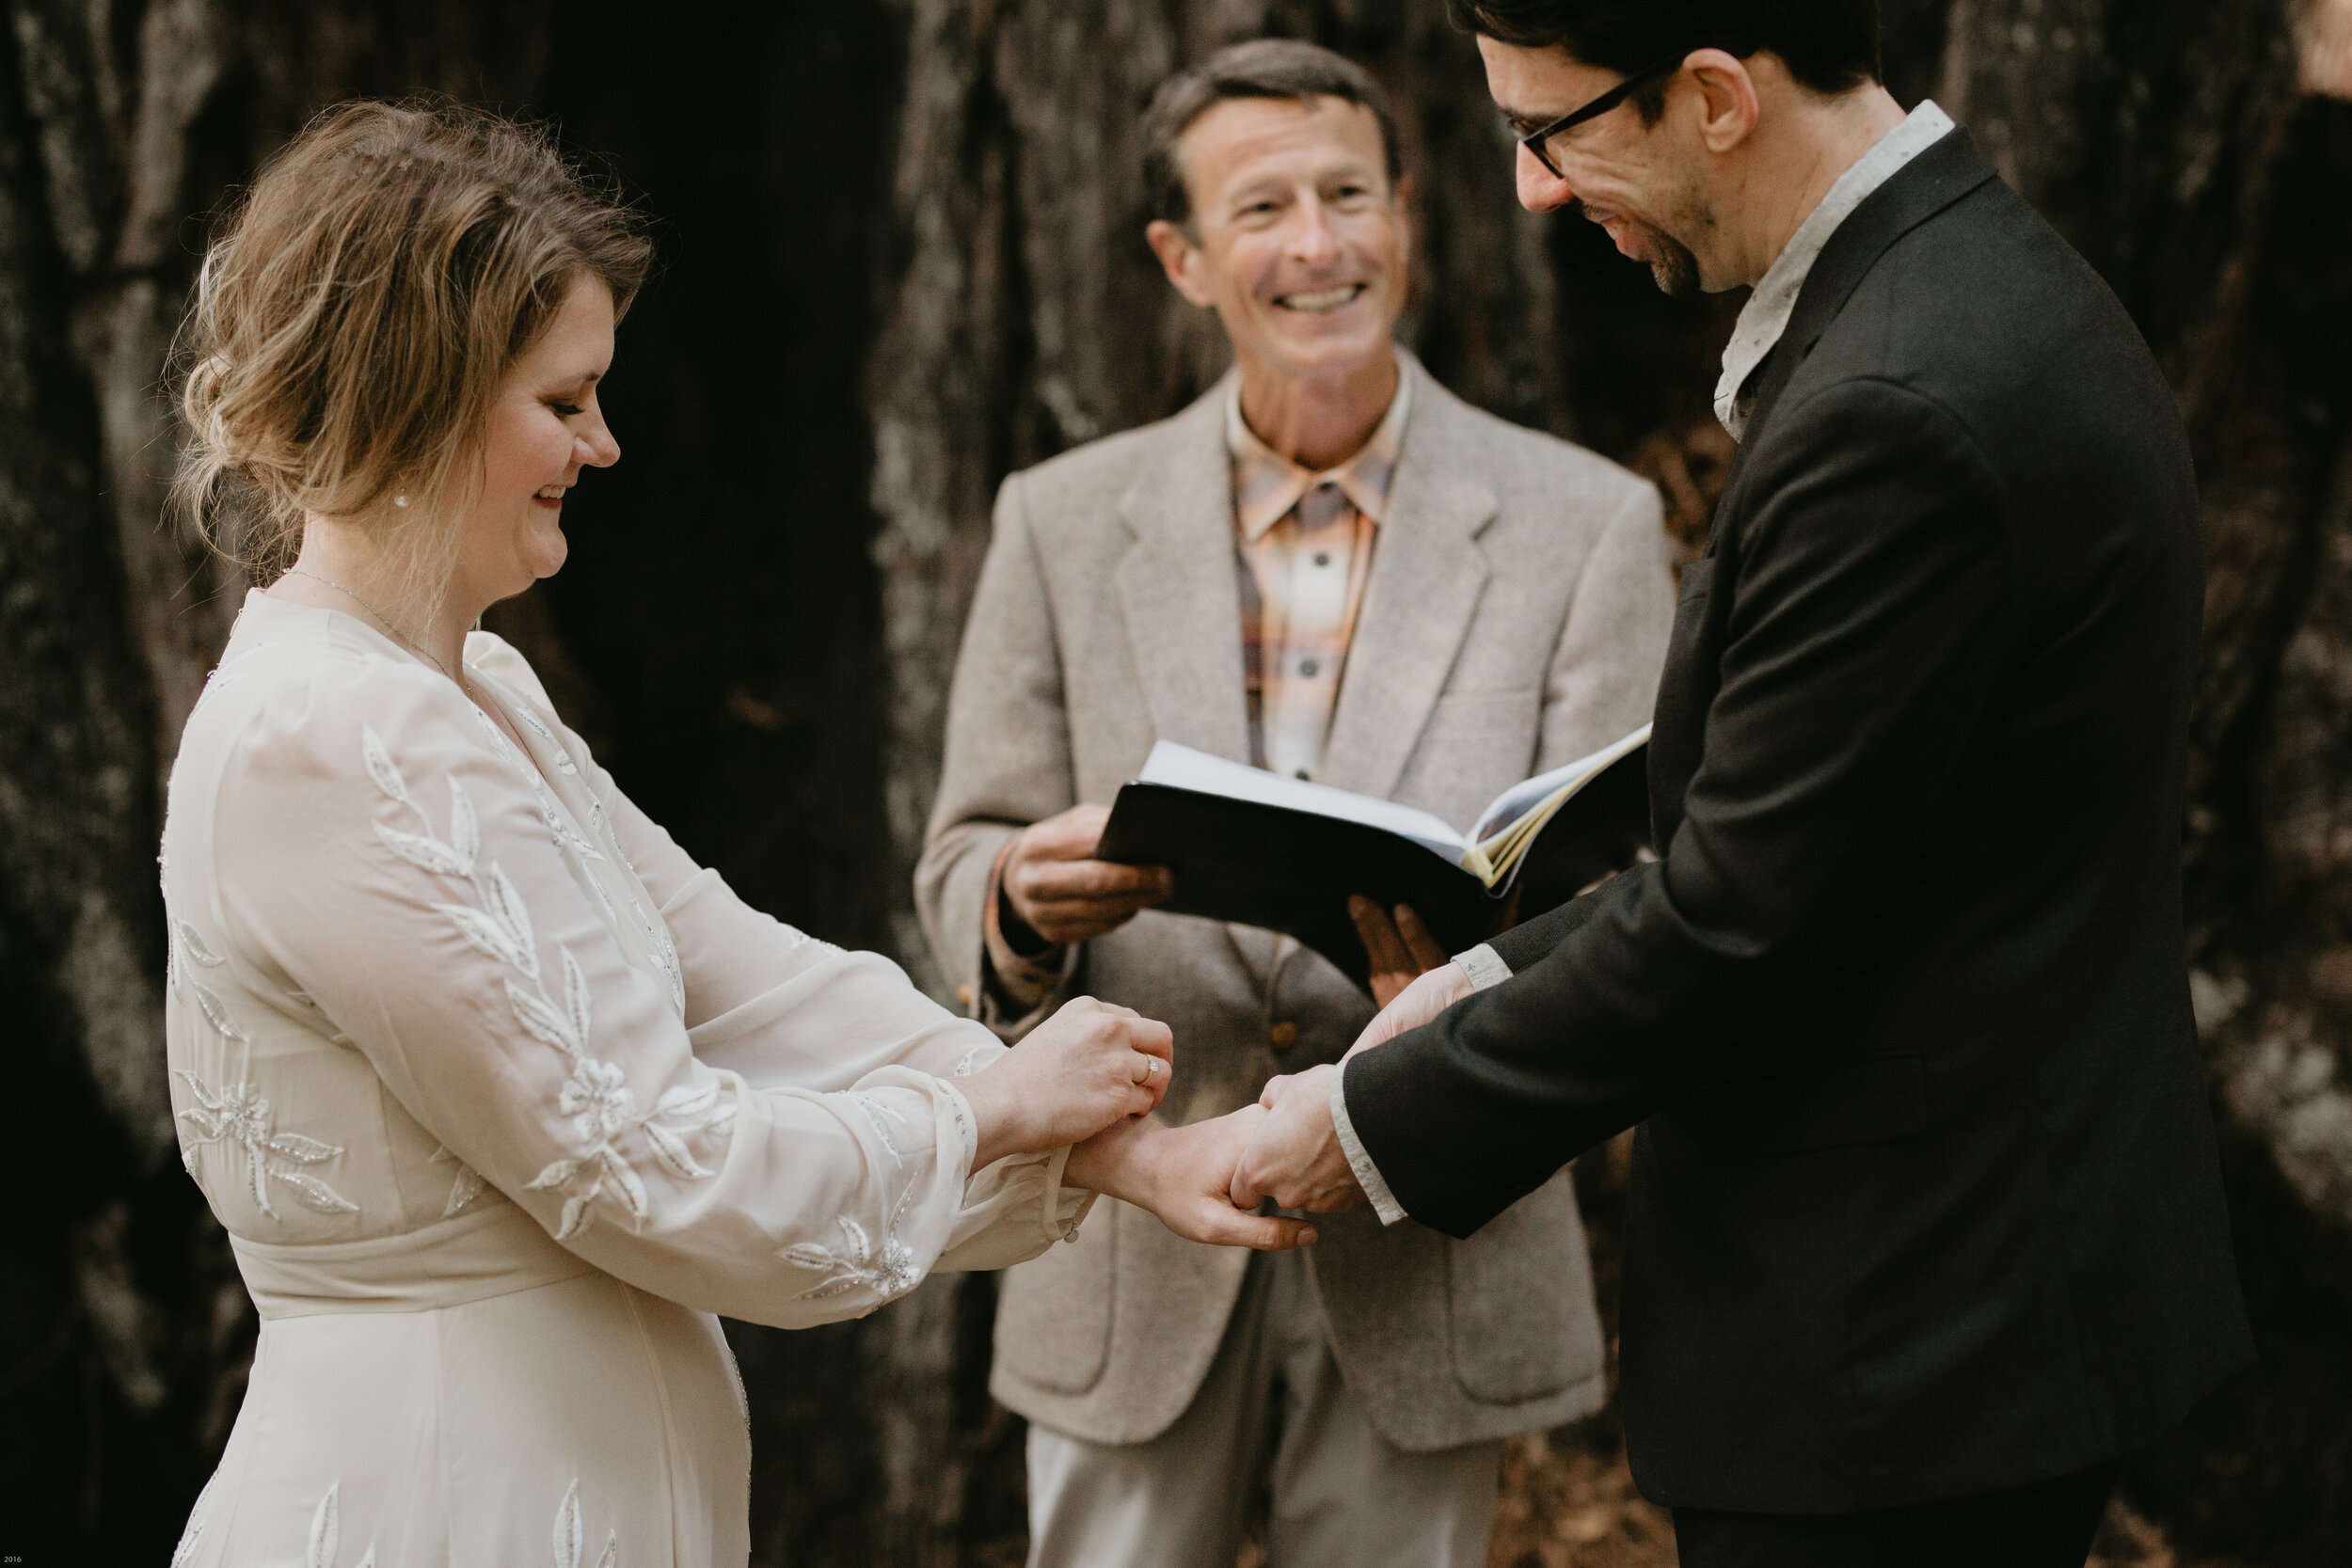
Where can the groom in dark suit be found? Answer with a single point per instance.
(1926, 1227)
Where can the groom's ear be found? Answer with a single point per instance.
(1181, 259)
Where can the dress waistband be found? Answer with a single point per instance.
(491, 1252)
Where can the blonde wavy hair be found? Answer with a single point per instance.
(356, 314)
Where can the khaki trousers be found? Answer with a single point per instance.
(1273, 1406)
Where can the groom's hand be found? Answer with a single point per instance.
(1181, 1174)
(1416, 1004)
(1294, 1157)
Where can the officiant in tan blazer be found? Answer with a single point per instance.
(1330, 566)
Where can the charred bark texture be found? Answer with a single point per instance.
(2176, 146)
(121, 125)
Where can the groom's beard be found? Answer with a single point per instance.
(1671, 262)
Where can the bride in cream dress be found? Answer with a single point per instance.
(499, 1095)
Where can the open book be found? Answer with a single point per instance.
(1254, 848)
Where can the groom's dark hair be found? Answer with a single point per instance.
(1828, 45)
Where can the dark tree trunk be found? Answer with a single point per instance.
(2185, 160)
(126, 1330)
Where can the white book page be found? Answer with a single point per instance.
(1520, 799)
(1182, 768)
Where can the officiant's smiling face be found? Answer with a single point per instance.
(1297, 234)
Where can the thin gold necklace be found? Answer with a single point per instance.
(384, 619)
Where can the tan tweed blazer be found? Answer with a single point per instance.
(1515, 618)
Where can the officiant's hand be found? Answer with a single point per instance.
(1295, 1158)
(1063, 893)
(1180, 1175)
(1400, 948)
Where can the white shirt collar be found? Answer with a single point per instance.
(1766, 315)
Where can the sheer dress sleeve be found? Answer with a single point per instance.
(799, 1155)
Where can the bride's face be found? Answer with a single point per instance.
(544, 429)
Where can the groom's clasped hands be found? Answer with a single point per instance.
(1091, 1076)
(1098, 1070)
(1206, 1180)
(1294, 1156)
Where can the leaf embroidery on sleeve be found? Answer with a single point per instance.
(664, 951)
(239, 1118)
(595, 1095)
(890, 1269)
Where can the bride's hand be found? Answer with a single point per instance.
(1181, 1174)
(1091, 1065)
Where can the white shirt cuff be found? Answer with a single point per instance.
(1368, 1175)
(1484, 967)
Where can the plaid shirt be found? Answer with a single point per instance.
(1306, 552)
(1303, 555)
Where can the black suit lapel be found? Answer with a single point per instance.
(1920, 190)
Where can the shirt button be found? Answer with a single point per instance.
(1322, 558)
(1282, 1035)
(1309, 669)
(1301, 773)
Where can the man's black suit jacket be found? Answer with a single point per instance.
(1925, 1199)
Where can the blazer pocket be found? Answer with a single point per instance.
(1863, 1100)
(1054, 1320)
(1519, 1301)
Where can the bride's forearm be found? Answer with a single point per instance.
(1002, 1118)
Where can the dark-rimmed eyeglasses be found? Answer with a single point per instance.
(1536, 141)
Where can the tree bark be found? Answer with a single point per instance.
(120, 126)
(2178, 147)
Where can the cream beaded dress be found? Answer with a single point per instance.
(500, 1098)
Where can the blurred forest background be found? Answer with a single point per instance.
(902, 256)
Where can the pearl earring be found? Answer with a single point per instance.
(400, 501)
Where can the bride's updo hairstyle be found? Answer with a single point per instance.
(356, 315)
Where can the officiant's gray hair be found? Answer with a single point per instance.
(1266, 68)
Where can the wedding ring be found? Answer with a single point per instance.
(1149, 1065)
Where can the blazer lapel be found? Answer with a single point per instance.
(1178, 587)
(1428, 574)
(1920, 190)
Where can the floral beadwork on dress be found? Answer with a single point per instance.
(596, 1095)
(569, 1539)
(327, 1532)
(239, 1117)
(891, 1268)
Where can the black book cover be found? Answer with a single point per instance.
(1292, 871)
